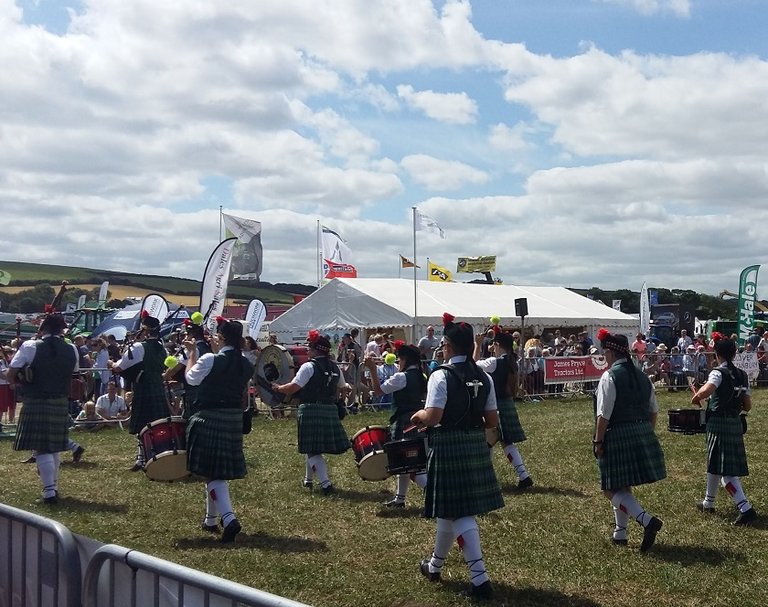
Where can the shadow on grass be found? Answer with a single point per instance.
(75, 504)
(260, 540)
(81, 465)
(694, 555)
(357, 496)
(505, 594)
(407, 512)
(540, 490)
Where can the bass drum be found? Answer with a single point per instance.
(277, 364)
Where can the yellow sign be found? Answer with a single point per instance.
(486, 263)
(439, 274)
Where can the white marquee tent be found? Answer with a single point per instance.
(346, 303)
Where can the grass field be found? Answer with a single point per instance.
(548, 546)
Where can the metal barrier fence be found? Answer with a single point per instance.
(40, 564)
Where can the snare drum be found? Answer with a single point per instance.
(406, 455)
(368, 447)
(687, 421)
(165, 449)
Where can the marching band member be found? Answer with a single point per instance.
(319, 427)
(215, 430)
(407, 387)
(625, 444)
(149, 401)
(727, 388)
(461, 481)
(499, 367)
(44, 418)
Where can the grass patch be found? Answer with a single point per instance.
(548, 546)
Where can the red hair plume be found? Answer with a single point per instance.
(187, 322)
(220, 319)
(602, 334)
(399, 343)
(49, 309)
(448, 318)
(144, 314)
(313, 335)
(717, 336)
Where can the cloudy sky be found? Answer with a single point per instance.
(583, 142)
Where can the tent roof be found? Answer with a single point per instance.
(373, 302)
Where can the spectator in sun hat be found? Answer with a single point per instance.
(625, 444)
(319, 427)
(461, 481)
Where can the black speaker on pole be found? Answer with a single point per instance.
(521, 306)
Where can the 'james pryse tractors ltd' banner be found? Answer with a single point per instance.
(565, 369)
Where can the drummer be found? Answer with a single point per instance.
(500, 367)
(319, 427)
(149, 401)
(408, 387)
(215, 430)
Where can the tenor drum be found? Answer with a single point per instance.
(368, 447)
(687, 421)
(407, 455)
(165, 449)
(277, 364)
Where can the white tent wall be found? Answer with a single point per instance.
(365, 303)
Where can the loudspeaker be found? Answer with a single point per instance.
(521, 306)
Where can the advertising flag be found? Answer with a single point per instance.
(483, 264)
(155, 305)
(103, 291)
(426, 223)
(407, 263)
(81, 301)
(247, 255)
(439, 274)
(213, 292)
(5, 277)
(645, 310)
(747, 295)
(254, 318)
(616, 304)
(337, 256)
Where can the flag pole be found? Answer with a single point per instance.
(221, 220)
(318, 260)
(415, 309)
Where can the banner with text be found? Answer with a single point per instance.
(747, 362)
(485, 263)
(566, 369)
(747, 295)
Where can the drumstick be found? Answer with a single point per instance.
(414, 427)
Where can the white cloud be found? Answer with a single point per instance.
(453, 108)
(441, 175)
(505, 138)
(681, 8)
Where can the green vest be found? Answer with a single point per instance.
(52, 369)
(225, 384)
(633, 393)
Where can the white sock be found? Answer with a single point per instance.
(403, 480)
(622, 520)
(443, 540)
(733, 487)
(210, 508)
(320, 470)
(625, 501)
(468, 535)
(420, 479)
(48, 471)
(308, 474)
(713, 484)
(514, 457)
(219, 492)
(140, 459)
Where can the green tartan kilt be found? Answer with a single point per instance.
(461, 480)
(725, 447)
(150, 403)
(215, 444)
(632, 456)
(190, 402)
(509, 423)
(320, 429)
(43, 425)
(399, 422)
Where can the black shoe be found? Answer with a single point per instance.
(483, 591)
(77, 454)
(209, 528)
(393, 503)
(136, 467)
(619, 542)
(746, 518)
(50, 501)
(705, 509)
(30, 460)
(424, 568)
(230, 531)
(649, 534)
(524, 484)
(329, 490)
(307, 483)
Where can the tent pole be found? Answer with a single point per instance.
(414, 339)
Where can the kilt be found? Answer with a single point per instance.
(7, 398)
(43, 425)
(461, 480)
(320, 429)
(149, 403)
(509, 423)
(190, 401)
(632, 456)
(399, 422)
(725, 447)
(215, 444)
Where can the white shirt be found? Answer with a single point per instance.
(136, 350)
(202, 367)
(606, 397)
(487, 364)
(305, 373)
(26, 353)
(372, 348)
(396, 382)
(109, 408)
(437, 388)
